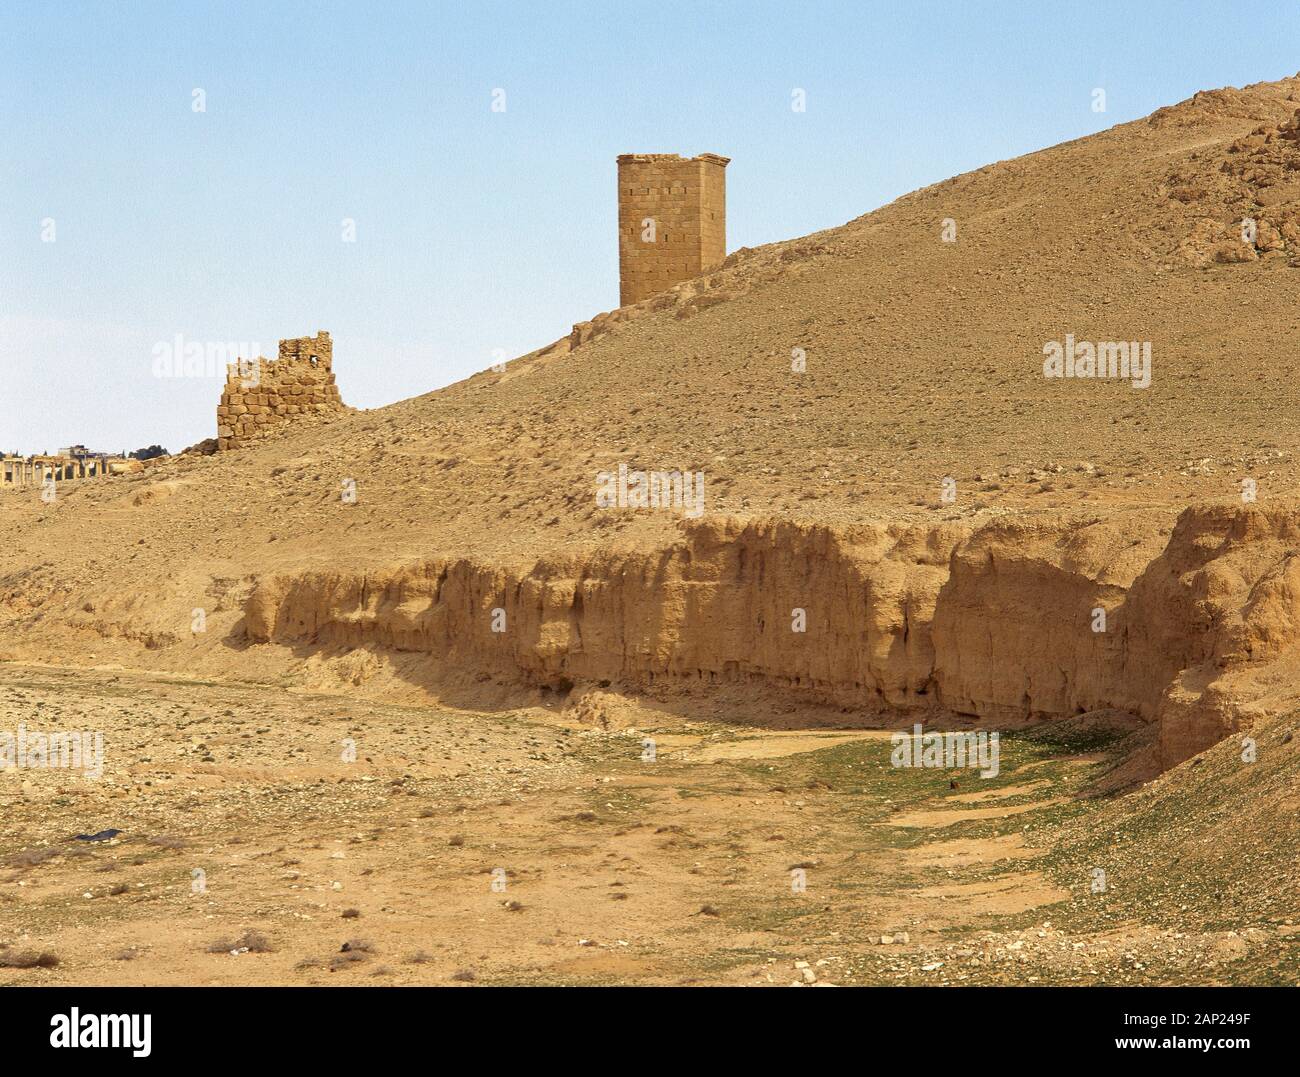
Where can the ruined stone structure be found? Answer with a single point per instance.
(74, 463)
(672, 220)
(263, 395)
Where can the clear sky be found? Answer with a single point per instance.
(479, 230)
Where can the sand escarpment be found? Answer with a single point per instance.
(1174, 620)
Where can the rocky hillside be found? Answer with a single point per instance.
(878, 445)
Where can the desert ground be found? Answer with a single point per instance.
(617, 868)
(915, 526)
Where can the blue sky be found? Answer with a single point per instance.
(479, 230)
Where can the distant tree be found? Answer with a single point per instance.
(149, 453)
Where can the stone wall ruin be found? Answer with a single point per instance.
(262, 396)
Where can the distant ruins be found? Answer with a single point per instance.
(672, 220)
(75, 462)
(263, 395)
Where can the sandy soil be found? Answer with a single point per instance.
(616, 869)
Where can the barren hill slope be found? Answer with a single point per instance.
(824, 489)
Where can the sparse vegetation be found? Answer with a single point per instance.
(30, 858)
(710, 873)
(253, 942)
(28, 959)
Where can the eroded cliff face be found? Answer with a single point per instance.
(1001, 621)
(723, 604)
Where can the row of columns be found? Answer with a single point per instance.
(33, 472)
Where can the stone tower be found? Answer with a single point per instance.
(672, 220)
(264, 396)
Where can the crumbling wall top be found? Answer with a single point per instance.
(660, 158)
(317, 350)
(263, 396)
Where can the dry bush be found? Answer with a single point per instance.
(254, 941)
(28, 959)
(30, 858)
(363, 946)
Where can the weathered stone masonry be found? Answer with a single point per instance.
(263, 396)
(686, 199)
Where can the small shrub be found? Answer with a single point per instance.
(28, 959)
(362, 946)
(30, 858)
(252, 941)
